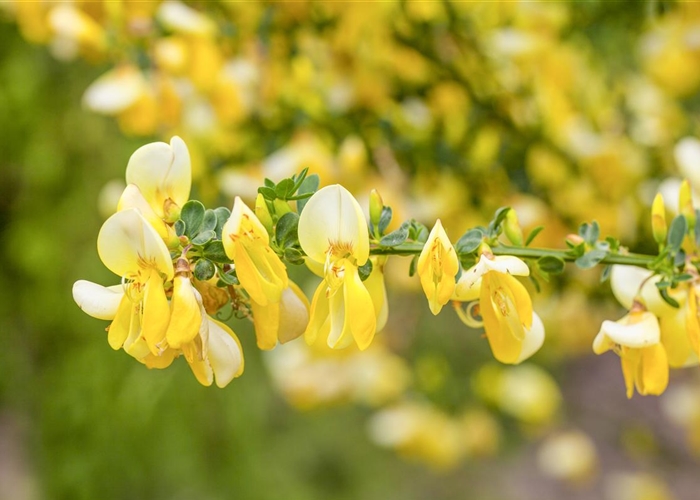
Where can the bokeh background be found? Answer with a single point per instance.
(567, 111)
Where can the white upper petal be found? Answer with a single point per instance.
(115, 91)
(643, 332)
(126, 241)
(625, 282)
(534, 338)
(224, 353)
(96, 300)
(506, 264)
(333, 216)
(161, 171)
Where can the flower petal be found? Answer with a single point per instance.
(534, 338)
(332, 216)
(161, 171)
(318, 314)
(186, 315)
(294, 313)
(652, 377)
(132, 198)
(156, 313)
(633, 330)
(359, 310)
(267, 322)
(225, 353)
(96, 300)
(127, 242)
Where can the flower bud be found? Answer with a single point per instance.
(263, 213)
(281, 207)
(659, 227)
(376, 204)
(685, 203)
(512, 228)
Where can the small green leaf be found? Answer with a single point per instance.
(293, 255)
(412, 266)
(192, 214)
(676, 233)
(286, 229)
(269, 183)
(605, 274)
(591, 259)
(365, 270)
(384, 219)
(268, 193)
(214, 251)
(683, 277)
(589, 232)
(395, 237)
(551, 264)
(284, 189)
(179, 227)
(204, 270)
(204, 237)
(469, 241)
(298, 179)
(535, 283)
(533, 234)
(228, 278)
(310, 185)
(222, 216)
(679, 258)
(667, 298)
(418, 232)
(209, 222)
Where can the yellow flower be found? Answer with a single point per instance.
(437, 267)
(333, 232)
(636, 339)
(512, 328)
(281, 321)
(163, 174)
(259, 269)
(132, 249)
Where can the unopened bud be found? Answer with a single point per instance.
(574, 239)
(376, 204)
(512, 228)
(281, 207)
(659, 227)
(262, 213)
(685, 203)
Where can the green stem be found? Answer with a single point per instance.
(408, 249)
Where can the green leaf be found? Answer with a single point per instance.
(214, 251)
(293, 255)
(605, 274)
(679, 258)
(222, 216)
(412, 266)
(667, 298)
(418, 232)
(384, 219)
(204, 237)
(551, 264)
(676, 233)
(395, 237)
(204, 270)
(228, 278)
(365, 270)
(284, 189)
(589, 232)
(591, 259)
(499, 216)
(469, 241)
(298, 179)
(533, 234)
(268, 193)
(179, 227)
(269, 183)
(310, 185)
(209, 222)
(535, 283)
(286, 229)
(192, 214)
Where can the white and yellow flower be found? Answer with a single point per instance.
(333, 233)
(437, 267)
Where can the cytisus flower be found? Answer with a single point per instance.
(512, 328)
(259, 269)
(333, 232)
(636, 338)
(437, 267)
